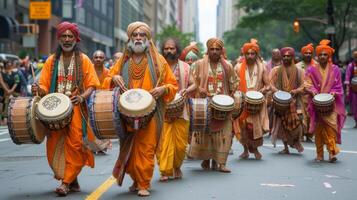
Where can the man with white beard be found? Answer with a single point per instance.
(141, 66)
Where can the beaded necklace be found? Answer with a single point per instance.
(64, 82)
(215, 80)
(137, 70)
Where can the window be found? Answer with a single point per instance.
(67, 9)
(97, 4)
(104, 7)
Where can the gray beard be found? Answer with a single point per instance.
(138, 48)
(67, 49)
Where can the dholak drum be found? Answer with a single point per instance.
(55, 111)
(174, 109)
(324, 103)
(104, 116)
(354, 84)
(137, 107)
(238, 104)
(199, 114)
(281, 102)
(24, 127)
(253, 102)
(221, 106)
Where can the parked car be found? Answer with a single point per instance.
(5, 56)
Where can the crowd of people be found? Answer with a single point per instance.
(181, 71)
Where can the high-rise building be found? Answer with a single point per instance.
(187, 17)
(228, 16)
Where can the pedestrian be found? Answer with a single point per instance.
(253, 76)
(287, 125)
(213, 76)
(351, 93)
(69, 72)
(325, 77)
(172, 149)
(141, 66)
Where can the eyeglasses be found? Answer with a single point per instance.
(141, 34)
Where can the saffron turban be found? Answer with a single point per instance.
(324, 46)
(64, 26)
(288, 50)
(189, 50)
(214, 41)
(143, 26)
(306, 48)
(253, 44)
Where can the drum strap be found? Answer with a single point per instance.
(54, 77)
(125, 73)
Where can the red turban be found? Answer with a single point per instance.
(193, 47)
(253, 44)
(307, 47)
(64, 26)
(324, 46)
(289, 50)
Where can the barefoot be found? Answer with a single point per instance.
(164, 178)
(332, 159)
(178, 173)
(133, 187)
(319, 159)
(257, 155)
(205, 164)
(284, 151)
(244, 155)
(224, 169)
(143, 193)
(300, 148)
(62, 190)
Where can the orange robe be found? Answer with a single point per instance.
(103, 76)
(140, 165)
(66, 152)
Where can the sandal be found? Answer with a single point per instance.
(133, 187)
(178, 174)
(164, 178)
(205, 165)
(62, 190)
(143, 193)
(74, 186)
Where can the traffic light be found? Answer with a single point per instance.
(296, 25)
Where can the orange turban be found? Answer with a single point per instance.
(214, 41)
(253, 44)
(307, 47)
(193, 47)
(324, 46)
(64, 26)
(135, 25)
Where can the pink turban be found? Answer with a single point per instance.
(64, 26)
(289, 50)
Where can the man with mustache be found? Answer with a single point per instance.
(252, 76)
(351, 95)
(141, 66)
(288, 78)
(307, 53)
(175, 132)
(213, 75)
(70, 72)
(325, 77)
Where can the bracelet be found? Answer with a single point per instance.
(81, 98)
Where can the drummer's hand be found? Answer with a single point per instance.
(118, 81)
(203, 92)
(293, 92)
(183, 92)
(35, 89)
(158, 92)
(77, 99)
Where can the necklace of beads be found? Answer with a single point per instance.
(64, 82)
(215, 80)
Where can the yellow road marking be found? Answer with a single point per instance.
(101, 189)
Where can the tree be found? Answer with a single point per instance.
(173, 32)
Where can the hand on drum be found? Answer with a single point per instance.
(183, 92)
(293, 92)
(118, 81)
(157, 92)
(77, 99)
(35, 89)
(203, 92)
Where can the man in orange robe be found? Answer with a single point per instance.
(141, 66)
(252, 76)
(325, 77)
(66, 152)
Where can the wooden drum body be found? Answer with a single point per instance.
(137, 107)
(199, 114)
(238, 104)
(55, 111)
(253, 102)
(174, 109)
(281, 102)
(324, 103)
(221, 106)
(24, 127)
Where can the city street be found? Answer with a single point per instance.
(25, 174)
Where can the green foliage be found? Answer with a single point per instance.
(173, 32)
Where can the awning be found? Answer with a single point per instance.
(8, 26)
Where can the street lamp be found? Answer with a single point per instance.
(296, 25)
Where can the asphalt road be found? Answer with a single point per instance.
(25, 174)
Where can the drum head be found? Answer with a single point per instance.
(282, 96)
(136, 102)
(323, 97)
(54, 106)
(254, 95)
(222, 102)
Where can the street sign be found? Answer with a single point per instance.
(330, 30)
(40, 10)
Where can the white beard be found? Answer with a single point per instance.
(138, 48)
(67, 49)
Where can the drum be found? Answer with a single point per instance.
(238, 104)
(199, 114)
(137, 107)
(253, 102)
(24, 127)
(221, 106)
(354, 84)
(174, 109)
(324, 103)
(104, 116)
(281, 102)
(55, 111)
